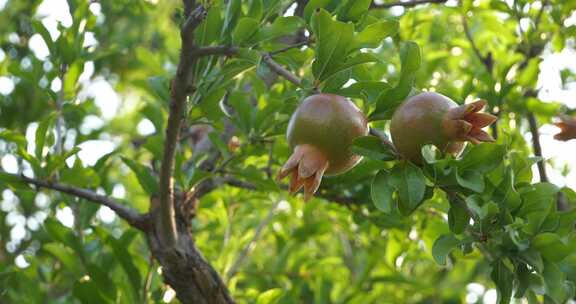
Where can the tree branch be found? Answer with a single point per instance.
(131, 216)
(179, 94)
(405, 3)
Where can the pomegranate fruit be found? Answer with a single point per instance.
(432, 118)
(321, 132)
(567, 127)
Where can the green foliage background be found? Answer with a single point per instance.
(385, 232)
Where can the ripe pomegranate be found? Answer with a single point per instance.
(567, 127)
(321, 132)
(432, 118)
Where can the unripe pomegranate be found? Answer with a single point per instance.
(567, 127)
(321, 132)
(432, 118)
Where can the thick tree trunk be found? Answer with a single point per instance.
(186, 271)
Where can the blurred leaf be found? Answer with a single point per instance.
(503, 278)
(550, 246)
(145, 178)
(373, 35)
(443, 246)
(270, 296)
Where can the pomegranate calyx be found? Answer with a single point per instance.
(465, 123)
(567, 127)
(306, 166)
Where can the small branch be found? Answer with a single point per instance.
(179, 94)
(60, 119)
(486, 60)
(219, 50)
(131, 216)
(537, 147)
(280, 70)
(266, 58)
(289, 47)
(405, 3)
(251, 244)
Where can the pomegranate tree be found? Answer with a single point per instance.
(432, 118)
(321, 132)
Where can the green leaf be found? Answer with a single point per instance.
(43, 128)
(410, 57)
(364, 89)
(334, 39)
(503, 278)
(373, 35)
(554, 283)
(381, 192)
(219, 143)
(247, 28)
(389, 100)
(354, 10)
(482, 158)
(68, 259)
(281, 26)
(411, 185)
(159, 85)
(313, 6)
(79, 176)
(458, 217)
(14, 137)
(120, 249)
(270, 296)
(472, 180)
(550, 246)
(372, 147)
(443, 246)
(349, 63)
(87, 292)
(40, 29)
(64, 235)
(145, 178)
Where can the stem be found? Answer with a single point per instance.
(405, 3)
(537, 147)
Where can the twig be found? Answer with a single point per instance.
(251, 244)
(280, 70)
(179, 94)
(231, 51)
(289, 47)
(60, 119)
(131, 216)
(536, 146)
(486, 60)
(405, 3)
(216, 50)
